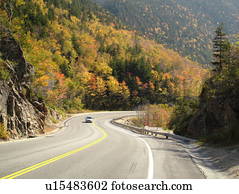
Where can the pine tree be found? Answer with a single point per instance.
(221, 49)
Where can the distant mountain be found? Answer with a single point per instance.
(187, 26)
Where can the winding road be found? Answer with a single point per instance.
(96, 150)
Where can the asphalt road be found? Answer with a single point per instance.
(99, 150)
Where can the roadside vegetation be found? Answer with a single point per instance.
(213, 115)
(154, 115)
(3, 132)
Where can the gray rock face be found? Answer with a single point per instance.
(21, 113)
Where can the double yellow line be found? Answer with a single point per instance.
(46, 162)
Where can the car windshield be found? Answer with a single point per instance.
(88, 117)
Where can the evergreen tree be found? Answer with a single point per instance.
(221, 49)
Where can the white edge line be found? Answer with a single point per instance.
(150, 160)
(150, 174)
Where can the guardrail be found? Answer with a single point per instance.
(148, 132)
(138, 129)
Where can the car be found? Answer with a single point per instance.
(89, 119)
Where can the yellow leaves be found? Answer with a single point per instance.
(124, 89)
(20, 3)
(113, 85)
(89, 51)
(155, 75)
(40, 58)
(85, 77)
(42, 81)
(60, 13)
(68, 49)
(116, 88)
(102, 68)
(42, 6)
(100, 85)
(3, 13)
(56, 27)
(66, 34)
(75, 20)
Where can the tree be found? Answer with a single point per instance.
(221, 49)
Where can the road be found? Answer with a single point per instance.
(97, 151)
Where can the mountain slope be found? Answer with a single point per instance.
(185, 26)
(83, 59)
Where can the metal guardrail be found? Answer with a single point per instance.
(138, 129)
(148, 132)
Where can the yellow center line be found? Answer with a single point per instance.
(46, 162)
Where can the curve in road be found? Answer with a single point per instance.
(98, 150)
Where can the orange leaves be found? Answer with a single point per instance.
(166, 76)
(138, 81)
(151, 85)
(94, 57)
(42, 81)
(96, 85)
(58, 92)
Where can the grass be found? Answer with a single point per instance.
(3, 132)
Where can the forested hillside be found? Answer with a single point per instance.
(82, 60)
(71, 55)
(186, 26)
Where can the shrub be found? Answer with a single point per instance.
(3, 132)
(156, 115)
(183, 112)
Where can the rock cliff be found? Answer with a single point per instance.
(22, 113)
(218, 115)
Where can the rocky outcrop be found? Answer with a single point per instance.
(21, 112)
(218, 115)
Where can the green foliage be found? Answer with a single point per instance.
(215, 118)
(74, 105)
(183, 112)
(222, 49)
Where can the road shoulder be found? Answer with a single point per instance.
(214, 163)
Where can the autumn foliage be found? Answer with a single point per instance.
(83, 59)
